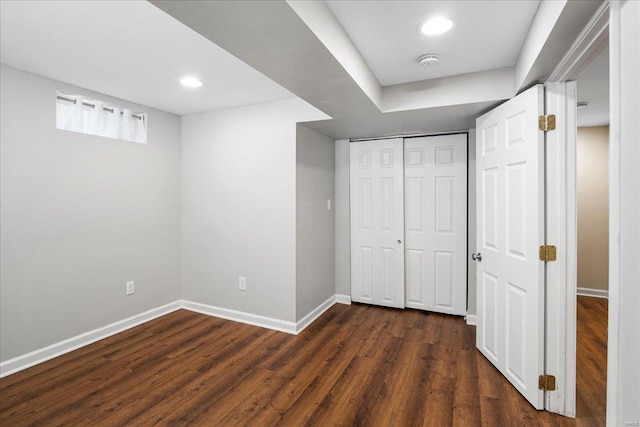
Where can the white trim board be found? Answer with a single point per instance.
(471, 319)
(241, 316)
(597, 293)
(343, 299)
(268, 322)
(35, 357)
(592, 41)
(561, 228)
(302, 324)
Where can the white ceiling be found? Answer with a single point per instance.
(486, 35)
(138, 51)
(130, 50)
(423, 121)
(593, 87)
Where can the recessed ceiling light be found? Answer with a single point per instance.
(429, 60)
(435, 26)
(191, 82)
(582, 105)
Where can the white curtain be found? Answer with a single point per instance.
(68, 114)
(99, 118)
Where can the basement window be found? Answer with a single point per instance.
(80, 114)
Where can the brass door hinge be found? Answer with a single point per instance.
(548, 253)
(547, 122)
(547, 382)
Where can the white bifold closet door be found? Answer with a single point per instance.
(377, 222)
(436, 223)
(413, 189)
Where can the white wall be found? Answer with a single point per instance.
(343, 227)
(315, 224)
(541, 27)
(239, 207)
(80, 216)
(623, 359)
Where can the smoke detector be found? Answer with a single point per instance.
(429, 60)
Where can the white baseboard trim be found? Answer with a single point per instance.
(241, 316)
(314, 314)
(588, 292)
(343, 299)
(28, 360)
(471, 319)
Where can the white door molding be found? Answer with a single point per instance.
(561, 211)
(590, 43)
(561, 231)
(623, 370)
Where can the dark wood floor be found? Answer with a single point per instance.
(356, 365)
(591, 366)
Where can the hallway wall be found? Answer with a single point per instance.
(593, 207)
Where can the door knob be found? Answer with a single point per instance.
(399, 241)
(476, 256)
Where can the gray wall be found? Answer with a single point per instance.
(80, 216)
(343, 233)
(315, 224)
(239, 207)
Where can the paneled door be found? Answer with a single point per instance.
(377, 222)
(510, 229)
(436, 223)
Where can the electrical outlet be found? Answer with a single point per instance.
(328, 204)
(242, 283)
(130, 288)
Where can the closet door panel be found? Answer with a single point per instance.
(436, 232)
(377, 222)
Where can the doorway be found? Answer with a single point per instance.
(592, 194)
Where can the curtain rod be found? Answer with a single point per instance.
(111, 110)
(411, 135)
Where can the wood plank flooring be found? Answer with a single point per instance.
(591, 366)
(356, 365)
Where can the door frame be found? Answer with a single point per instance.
(561, 212)
(623, 373)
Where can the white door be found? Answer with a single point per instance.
(436, 223)
(510, 229)
(377, 223)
